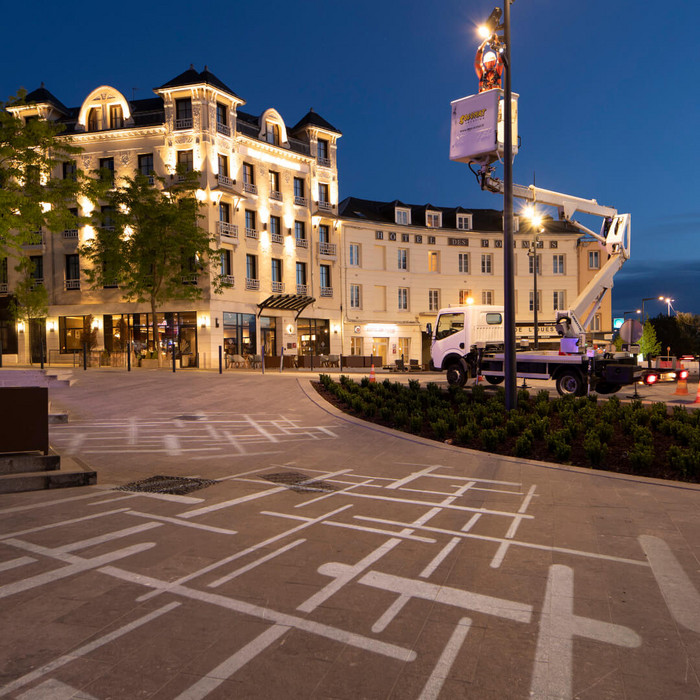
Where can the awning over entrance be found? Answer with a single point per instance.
(286, 302)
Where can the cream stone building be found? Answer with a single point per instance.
(403, 262)
(270, 195)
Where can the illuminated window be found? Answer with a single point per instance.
(183, 113)
(433, 219)
(433, 261)
(272, 133)
(464, 295)
(116, 117)
(274, 178)
(185, 161)
(464, 222)
(94, 121)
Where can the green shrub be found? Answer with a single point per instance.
(414, 385)
(686, 462)
(523, 445)
(641, 456)
(440, 429)
(464, 435)
(539, 427)
(542, 396)
(478, 394)
(416, 423)
(595, 449)
(523, 396)
(386, 414)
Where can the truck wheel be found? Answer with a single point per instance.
(606, 388)
(570, 383)
(494, 380)
(456, 374)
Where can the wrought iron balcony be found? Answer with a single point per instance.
(227, 231)
(251, 283)
(303, 289)
(302, 242)
(274, 194)
(277, 238)
(325, 162)
(224, 129)
(326, 291)
(328, 249)
(70, 234)
(325, 206)
(3, 287)
(301, 201)
(278, 287)
(251, 233)
(228, 280)
(190, 279)
(225, 181)
(35, 241)
(183, 123)
(250, 188)
(71, 284)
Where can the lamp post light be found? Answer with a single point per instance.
(644, 318)
(668, 301)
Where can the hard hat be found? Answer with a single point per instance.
(489, 56)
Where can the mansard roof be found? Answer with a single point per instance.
(42, 96)
(193, 77)
(312, 118)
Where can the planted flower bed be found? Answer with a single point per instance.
(607, 434)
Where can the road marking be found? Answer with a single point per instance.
(85, 649)
(254, 548)
(332, 493)
(108, 537)
(359, 641)
(254, 564)
(475, 602)
(379, 531)
(444, 552)
(267, 435)
(53, 689)
(225, 670)
(14, 563)
(44, 504)
(183, 523)
(680, 594)
(412, 477)
(442, 668)
(77, 566)
(553, 671)
(51, 526)
(233, 502)
(503, 547)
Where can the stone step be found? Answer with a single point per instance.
(37, 481)
(17, 463)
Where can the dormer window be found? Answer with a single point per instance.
(272, 133)
(183, 113)
(403, 216)
(116, 117)
(323, 153)
(95, 119)
(464, 222)
(433, 219)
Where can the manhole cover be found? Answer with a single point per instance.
(175, 485)
(301, 483)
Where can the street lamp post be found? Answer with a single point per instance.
(644, 318)
(533, 256)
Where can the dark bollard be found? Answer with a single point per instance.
(0, 353)
(173, 357)
(128, 359)
(41, 353)
(282, 359)
(262, 359)
(221, 369)
(84, 356)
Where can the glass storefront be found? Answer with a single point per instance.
(239, 334)
(380, 346)
(268, 333)
(313, 336)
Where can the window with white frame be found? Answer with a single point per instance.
(464, 222)
(403, 299)
(402, 260)
(593, 259)
(463, 263)
(464, 296)
(532, 298)
(595, 323)
(558, 265)
(433, 299)
(433, 219)
(487, 296)
(403, 216)
(487, 264)
(354, 255)
(530, 264)
(558, 300)
(355, 296)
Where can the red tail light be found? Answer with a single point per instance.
(651, 379)
(683, 374)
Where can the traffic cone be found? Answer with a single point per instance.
(372, 378)
(682, 386)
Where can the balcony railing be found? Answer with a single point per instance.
(302, 243)
(325, 162)
(251, 232)
(183, 123)
(3, 287)
(274, 194)
(225, 181)
(70, 234)
(277, 238)
(326, 291)
(227, 231)
(250, 188)
(228, 280)
(72, 284)
(190, 279)
(325, 206)
(35, 241)
(303, 289)
(278, 287)
(251, 283)
(37, 282)
(224, 129)
(327, 249)
(301, 201)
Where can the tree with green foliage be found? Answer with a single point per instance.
(30, 198)
(648, 343)
(148, 241)
(29, 302)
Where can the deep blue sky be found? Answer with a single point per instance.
(609, 99)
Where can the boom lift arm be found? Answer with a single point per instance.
(614, 235)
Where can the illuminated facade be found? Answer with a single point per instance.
(403, 262)
(270, 196)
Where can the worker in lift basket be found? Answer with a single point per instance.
(488, 63)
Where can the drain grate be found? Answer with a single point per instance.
(301, 483)
(175, 485)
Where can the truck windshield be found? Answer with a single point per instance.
(448, 324)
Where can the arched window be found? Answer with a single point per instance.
(272, 133)
(116, 117)
(95, 119)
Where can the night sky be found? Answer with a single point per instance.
(608, 108)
